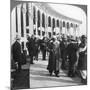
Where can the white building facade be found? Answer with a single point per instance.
(40, 20)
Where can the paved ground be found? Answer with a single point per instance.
(21, 80)
(39, 76)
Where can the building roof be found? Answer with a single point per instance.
(46, 7)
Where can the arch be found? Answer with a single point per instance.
(49, 21)
(53, 22)
(67, 25)
(38, 20)
(34, 15)
(43, 20)
(57, 23)
(63, 23)
(71, 25)
(27, 15)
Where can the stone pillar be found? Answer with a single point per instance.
(46, 24)
(24, 24)
(78, 30)
(19, 19)
(60, 27)
(13, 25)
(74, 30)
(30, 7)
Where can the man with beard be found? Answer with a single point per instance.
(54, 57)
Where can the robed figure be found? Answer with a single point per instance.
(54, 57)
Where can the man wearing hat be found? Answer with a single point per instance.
(72, 49)
(16, 52)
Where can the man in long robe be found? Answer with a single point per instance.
(54, 57)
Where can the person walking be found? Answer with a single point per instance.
(54, 57)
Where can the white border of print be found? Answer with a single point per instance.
(5, 44)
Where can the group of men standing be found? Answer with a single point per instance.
(69, 54)
(34, 46)
(64, 53)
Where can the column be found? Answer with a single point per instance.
(46, 24)
(19, 19)
(78, 29)
(74, 30)
(60, 27)
(24, 25)
(13, 25)
(30, 18)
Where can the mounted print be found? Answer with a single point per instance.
(48, 44)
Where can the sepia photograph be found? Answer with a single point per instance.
(48, 43)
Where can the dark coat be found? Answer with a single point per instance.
(63, 48)
(30, 46)
(16, 52)
(72, 52)
(51, 61)
(43, 44)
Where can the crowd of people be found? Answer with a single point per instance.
(64, 52)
